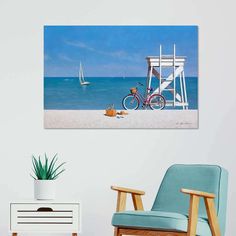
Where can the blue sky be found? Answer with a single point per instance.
(115, 50)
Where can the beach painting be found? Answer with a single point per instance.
(121, 77)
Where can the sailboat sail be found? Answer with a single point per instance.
(81, 76)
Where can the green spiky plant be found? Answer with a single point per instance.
(47, 170)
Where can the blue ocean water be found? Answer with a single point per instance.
(66, 93)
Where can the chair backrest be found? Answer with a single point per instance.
(207, 178)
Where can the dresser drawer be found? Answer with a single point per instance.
(45, 217)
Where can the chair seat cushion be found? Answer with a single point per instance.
(158, 220)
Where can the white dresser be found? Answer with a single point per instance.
(45, 216)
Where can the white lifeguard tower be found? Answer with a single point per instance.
(156, 65)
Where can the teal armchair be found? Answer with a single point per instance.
(191, 201)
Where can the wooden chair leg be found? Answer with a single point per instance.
(212, 216)
(193, 215)
(116, 232)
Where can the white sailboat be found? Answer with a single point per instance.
(81, 76)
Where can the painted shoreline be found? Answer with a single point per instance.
(95, 119)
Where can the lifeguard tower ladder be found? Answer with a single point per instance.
(156, 65)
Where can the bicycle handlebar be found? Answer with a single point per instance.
(141, 84)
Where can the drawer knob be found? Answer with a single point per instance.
(45, 209)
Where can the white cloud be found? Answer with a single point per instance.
(65, 57)
(115, 54)
(79, 45)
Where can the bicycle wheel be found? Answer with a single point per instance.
(130, 102)
(157, 102)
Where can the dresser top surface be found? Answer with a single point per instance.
(56, 201)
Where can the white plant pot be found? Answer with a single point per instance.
(44, 189)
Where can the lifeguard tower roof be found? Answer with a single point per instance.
(166, 60)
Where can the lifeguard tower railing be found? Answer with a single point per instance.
(156, 66)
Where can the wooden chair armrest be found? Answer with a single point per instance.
(193, 211)
(127, 190)
(197, 193)
(121, 199)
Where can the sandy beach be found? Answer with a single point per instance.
(96, 119)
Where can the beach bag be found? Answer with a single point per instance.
(110, 111)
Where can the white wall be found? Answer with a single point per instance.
(98, 158)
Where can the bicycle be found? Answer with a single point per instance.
(132, 100)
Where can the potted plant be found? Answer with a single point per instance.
(44, 176)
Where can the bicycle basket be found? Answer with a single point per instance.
(133, 90)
